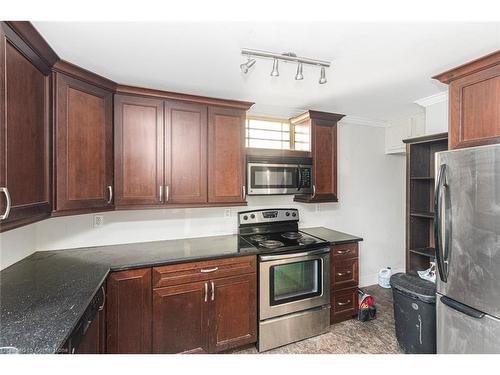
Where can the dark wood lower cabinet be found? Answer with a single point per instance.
(234, 312)
(207, 316)
(196, 316)
(180, 319)
(344, 282)
(128, 320)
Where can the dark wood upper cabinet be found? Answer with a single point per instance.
(474, 102)
(128, 314)
(139, 151)
(226, 155)
(24, 131)
(234, 312)
(83, 146)
(180, 318)
(186, 153)
(324, 154)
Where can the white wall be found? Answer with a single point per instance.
(371, 195)
(436, 112)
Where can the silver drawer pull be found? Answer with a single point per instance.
(343, 273)
(7, 207)
(103, 299)
(342, 252)
(213, 290)
(344, 303)
(207, 270)
(206, 291)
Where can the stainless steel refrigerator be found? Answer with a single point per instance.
(467, 230)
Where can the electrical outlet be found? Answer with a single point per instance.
(98, 221)
(317, 207)
(227, 212)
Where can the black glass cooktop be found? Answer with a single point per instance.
(281, 241)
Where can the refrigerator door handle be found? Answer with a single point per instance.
(437, 222)
(460, 307)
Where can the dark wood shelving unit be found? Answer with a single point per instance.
(420, 180)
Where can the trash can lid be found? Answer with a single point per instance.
(414, 286)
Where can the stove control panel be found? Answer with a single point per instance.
(273, 215)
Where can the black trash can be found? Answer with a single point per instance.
(414, 313)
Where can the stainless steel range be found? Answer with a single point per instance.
(294, 277)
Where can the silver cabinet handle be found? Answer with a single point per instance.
(161, 193)
(314, 191)
(5, 215)
(342, 252)
(167, 193)
(207, 270)
(103, 299)
(344, 303)
(343, 273)
(213, 290)
(206, 291)
(110, 194)
(244, 191)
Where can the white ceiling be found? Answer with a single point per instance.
(378, 69)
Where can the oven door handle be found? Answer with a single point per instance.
(294, 255)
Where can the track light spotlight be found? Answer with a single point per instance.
(299, 76)
(322, 77)
(275, 72)
(246, 66)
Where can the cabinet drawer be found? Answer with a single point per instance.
(200, 271)
(344, 304)
(345, 251)
(344, 273)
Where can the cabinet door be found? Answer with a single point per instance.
(83, 146)
(129, 312)
(324, 146)
(139, 144)
(233, 312)
(24, 133)
(180, 318)
(226, 155)
(475, 109)
(186, 153)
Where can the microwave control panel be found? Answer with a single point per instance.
(306, 177)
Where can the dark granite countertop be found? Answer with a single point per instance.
(330, 235)
(43, 296)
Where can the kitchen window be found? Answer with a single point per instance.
(263, 132)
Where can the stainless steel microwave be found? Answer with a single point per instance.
(279, 175)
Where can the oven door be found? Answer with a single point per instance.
(293, 282)
(269, 179)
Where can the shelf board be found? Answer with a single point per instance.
(423, 178)
(424, 214)
(425, 251)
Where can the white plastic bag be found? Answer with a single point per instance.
(429, 274)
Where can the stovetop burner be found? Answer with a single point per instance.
(307, 240)
(271, 244)
(258, 237)
(291, 235)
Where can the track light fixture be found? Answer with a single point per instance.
(246, 66)
(299, 76)
(251, 54)
(275, 72)
(322, 77)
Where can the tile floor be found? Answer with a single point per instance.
(352, 336)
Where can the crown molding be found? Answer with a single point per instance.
(363, 121)
(432, 99)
